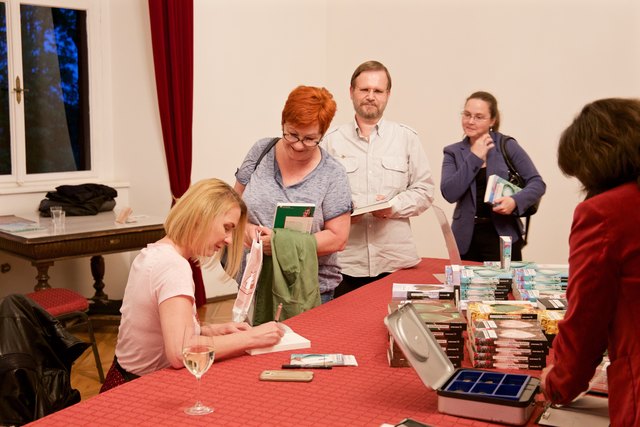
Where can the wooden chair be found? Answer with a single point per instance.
(66, 305)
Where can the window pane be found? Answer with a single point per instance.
(54, 64)
(5, 136)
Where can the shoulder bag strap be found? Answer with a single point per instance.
(507, 159)
(268, 148)
(512, 169)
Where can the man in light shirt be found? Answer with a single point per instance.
(385, 162)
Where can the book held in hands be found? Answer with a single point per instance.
(499, 187)
(294, 216)
(385, 204)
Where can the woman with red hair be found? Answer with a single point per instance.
(293, 168)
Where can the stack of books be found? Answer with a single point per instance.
(548, 320)
(484, 283)
(507, 344)
(444, 321)
(500, 310)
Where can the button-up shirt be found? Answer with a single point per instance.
(392, 163)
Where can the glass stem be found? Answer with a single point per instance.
(198, 402)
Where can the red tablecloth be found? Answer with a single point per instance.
(368, 395)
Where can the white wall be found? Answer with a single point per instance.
(542, 59)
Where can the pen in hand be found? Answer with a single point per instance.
(278, 312)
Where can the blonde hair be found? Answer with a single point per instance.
(191, 218)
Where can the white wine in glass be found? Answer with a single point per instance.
(197, 355)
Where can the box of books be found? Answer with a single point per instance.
(465, 392)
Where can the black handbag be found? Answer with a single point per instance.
(514, 177)
(517, 179)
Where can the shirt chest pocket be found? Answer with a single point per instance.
(357, 181)
(395, 172)
(349, 163)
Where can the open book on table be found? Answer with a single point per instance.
(294, 216)
(289, 341)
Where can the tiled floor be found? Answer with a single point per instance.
(84, 375)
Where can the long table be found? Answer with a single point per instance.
(367, 395)
(82, 236)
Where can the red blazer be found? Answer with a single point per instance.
(604, 304)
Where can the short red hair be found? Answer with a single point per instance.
(308, 105)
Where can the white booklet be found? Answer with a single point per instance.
(289, 341)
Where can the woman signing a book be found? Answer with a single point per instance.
(159, 302)
(602, 149)
(294, 169)
(466, 167)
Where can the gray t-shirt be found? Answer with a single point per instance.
(327, 186)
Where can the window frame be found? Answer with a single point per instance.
(97, 49)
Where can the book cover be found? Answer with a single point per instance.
(289, 341)
(426, 305)
(552, 303)
(498, 187)
(371, 208)
(486, 310)
(329, 359)
(16, 224)
(531, 338)
(294, 216)
(408, 291)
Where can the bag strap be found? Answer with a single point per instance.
(507, 159)
(512, 169)
(268, 148)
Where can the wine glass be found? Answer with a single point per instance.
(197, 355)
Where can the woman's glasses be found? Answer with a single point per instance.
(467, 116)
(307, 141)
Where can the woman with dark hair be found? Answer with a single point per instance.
(466, 166)
(297, 170)
(602, 149)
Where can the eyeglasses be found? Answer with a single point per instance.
(307, 141)
(467, 116)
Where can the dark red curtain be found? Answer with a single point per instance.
(172, 39)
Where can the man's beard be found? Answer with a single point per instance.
(369, 113)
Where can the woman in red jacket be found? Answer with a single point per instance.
(602, 149)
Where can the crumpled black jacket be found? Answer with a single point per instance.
(79, 200)
(36, 354)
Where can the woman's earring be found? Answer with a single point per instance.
(491, 129)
